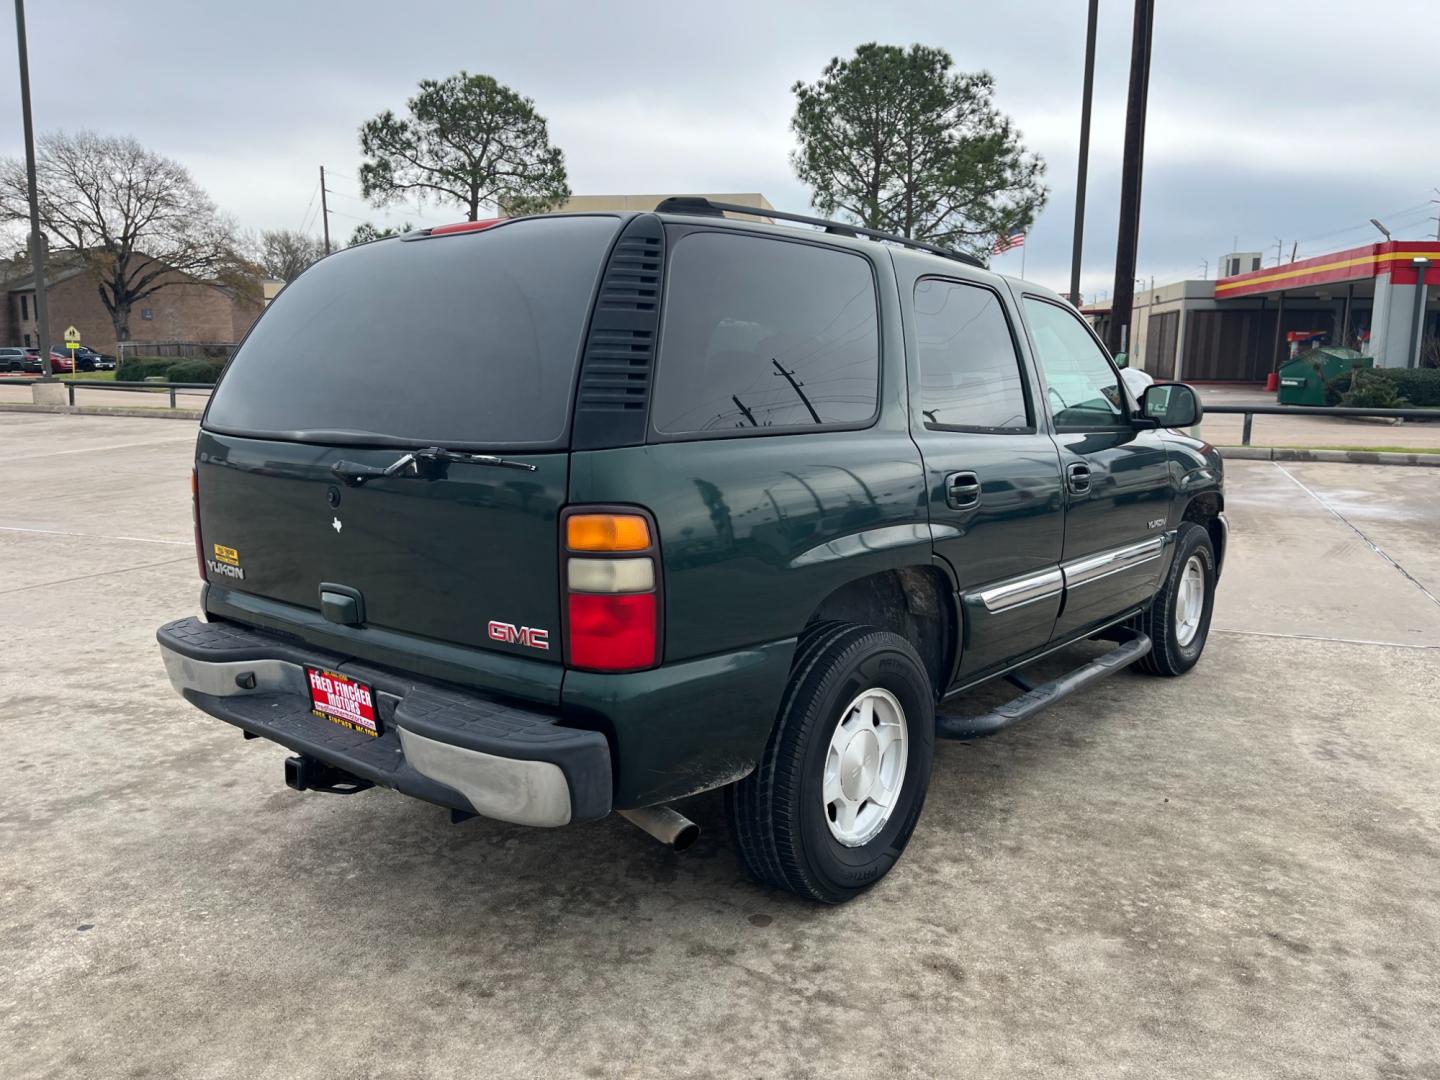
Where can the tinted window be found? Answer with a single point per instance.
(1082, 385)
(460, 340)
(969, 369)
(764, 333)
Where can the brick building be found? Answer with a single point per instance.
(184, 310)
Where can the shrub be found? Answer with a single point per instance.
(1420, 385)
(140, 368)
(1372, 388)
(194, 371)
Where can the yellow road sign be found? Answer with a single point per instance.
(72, 336)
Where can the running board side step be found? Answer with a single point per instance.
(1133, 647)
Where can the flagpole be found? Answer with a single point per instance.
(1023, 245)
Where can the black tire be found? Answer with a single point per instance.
(1168, 656)
(777, 816)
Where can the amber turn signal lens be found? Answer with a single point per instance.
(606, 532)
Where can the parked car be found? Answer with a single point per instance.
(84, 358)
(12, 359)
(697, 503)
(33, 362)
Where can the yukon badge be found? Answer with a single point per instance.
(529, 636)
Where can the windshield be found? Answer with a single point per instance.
(463, 341)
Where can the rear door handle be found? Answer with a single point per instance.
(962, 490)
(1078, 477)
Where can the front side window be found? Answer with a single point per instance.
(1082, 385)
(969, 369)
(762, 333)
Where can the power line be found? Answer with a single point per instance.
(305, 218)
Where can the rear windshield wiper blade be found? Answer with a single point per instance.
(420, 463)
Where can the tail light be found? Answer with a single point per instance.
(195, 520)
(612, 590)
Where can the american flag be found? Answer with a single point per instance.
(1008, 243)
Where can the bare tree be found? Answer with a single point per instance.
(135, 219)
(285, 253)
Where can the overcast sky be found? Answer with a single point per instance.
(1268, 118)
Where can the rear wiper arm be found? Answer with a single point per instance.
(419, 462)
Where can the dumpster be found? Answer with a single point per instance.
(1304, 379)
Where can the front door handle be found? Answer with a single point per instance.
(962, 490)
(1078, 477)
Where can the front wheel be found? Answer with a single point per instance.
(1178, 619)
(838, 792)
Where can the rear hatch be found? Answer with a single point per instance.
(468, 342)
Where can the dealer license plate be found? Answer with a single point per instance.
(343, 700)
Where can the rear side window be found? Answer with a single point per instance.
(969, 367)
(761, 333)
(465, 340)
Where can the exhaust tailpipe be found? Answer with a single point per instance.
(674, 830)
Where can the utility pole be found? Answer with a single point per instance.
(1293, 249)
(324, 210)
(37, 239)
(1085, 98)
(1128, 241)
(795, 384)
(744, 409)
(1279, 250)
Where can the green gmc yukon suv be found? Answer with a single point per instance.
(545, 518)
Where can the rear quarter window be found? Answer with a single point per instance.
(762, 335)
(470, 340)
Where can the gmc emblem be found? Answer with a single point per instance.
(511, 634)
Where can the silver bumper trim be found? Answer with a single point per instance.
(507, 789)
(218, 679)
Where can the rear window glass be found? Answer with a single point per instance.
(467, 340)
(762, 333)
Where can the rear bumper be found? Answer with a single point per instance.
(458, 749)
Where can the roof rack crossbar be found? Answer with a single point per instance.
(690, 204)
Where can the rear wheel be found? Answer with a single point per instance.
(1178, 619)
(838, 792)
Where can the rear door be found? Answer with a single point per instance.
(1117, 479)
(467, 342)
(992, 473)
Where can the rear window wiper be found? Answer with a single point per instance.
(420, 463)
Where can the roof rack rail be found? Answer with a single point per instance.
(691, 204)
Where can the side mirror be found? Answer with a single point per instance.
(1171, 405)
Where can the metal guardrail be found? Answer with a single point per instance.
(87, 384)
(1250, 412)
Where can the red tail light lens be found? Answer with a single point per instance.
(195, 521)
(612, 632)
(612, 581)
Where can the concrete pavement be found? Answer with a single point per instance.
(1226, 875)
